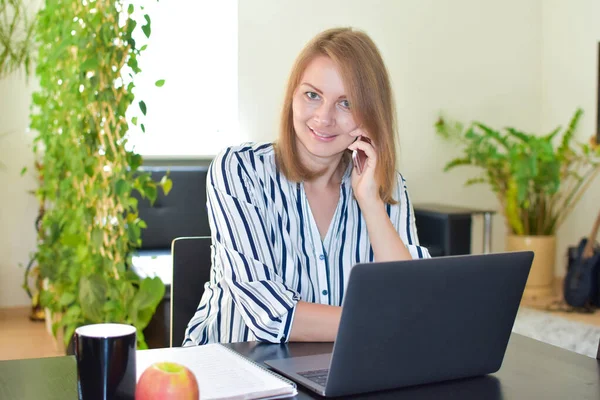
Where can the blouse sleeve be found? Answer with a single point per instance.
(404, 221)
(244, 263)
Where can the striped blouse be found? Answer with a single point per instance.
(267, 253)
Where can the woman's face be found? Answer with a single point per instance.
(321, 112)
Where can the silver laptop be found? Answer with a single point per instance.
(420, 321)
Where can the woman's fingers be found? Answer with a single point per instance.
(357, 132)
(360, 132)
(364, 146)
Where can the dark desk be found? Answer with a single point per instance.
(531, 370)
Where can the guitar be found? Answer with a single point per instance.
(582, 282)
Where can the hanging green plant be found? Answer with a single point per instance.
(87, 64)
(16, 40)
(16, 37)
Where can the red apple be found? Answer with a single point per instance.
(167, 381)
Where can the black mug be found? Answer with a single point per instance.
(105, 356)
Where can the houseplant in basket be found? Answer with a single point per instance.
(87, 63)
(537, 179)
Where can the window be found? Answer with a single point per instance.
(193, 47)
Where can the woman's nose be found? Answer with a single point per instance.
(324, 115)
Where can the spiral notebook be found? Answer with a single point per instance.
(222, 373)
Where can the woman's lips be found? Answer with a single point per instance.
(322, 136)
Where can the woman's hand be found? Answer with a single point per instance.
(364, 185)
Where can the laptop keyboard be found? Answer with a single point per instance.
(318, 376)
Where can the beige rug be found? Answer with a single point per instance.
(558, 331)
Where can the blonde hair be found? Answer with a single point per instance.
(369, 91)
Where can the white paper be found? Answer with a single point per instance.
(220, 372)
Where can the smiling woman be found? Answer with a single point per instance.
(353, 74)
(290, 219)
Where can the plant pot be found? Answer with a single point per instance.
(541, 277)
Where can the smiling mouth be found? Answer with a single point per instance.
(321, 135)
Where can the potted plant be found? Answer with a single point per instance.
(87, 63)
(537, 179)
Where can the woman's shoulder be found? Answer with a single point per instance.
(244, 155)
(400, 181)
(243, 163)
(400, 189)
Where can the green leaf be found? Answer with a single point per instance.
(74, 312)
(69, 330)
(133, 234)
(121, 187)
(146, 28)
(141, 340)
(111, 305)
(166, 184)
(130, 9)
(46, 299)
(133, 202)
(134, 120)
(150, 293)
(23, 171)
(92, 295)
(151, 193)
(160, 82)
(91, 64)
(135, 160)
(143, 128)
(67, 298)
(143, 107)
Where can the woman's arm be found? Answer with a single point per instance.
(245, 280)
(385, 240)
(384, 236)
(315, 322)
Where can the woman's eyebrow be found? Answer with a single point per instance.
(319, 90)
(315, 88)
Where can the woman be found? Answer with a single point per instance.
(290, 219)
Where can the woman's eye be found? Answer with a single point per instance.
(312, 95)
(345, 104)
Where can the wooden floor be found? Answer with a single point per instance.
(22, 338)
(557, 302)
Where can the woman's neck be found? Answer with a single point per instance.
(332, 176)
(333, 168)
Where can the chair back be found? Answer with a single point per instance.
(191, 270)
(178, 214)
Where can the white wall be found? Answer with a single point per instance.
(18, 208)
(472, 59)
(571, 32)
